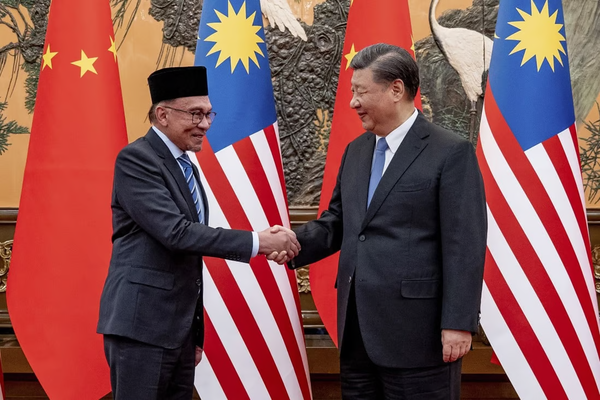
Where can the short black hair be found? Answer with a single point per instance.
(388, 63)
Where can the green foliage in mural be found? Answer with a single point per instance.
(27, 20)
(120, 9)
(31, 83)
(7, 128)
(590, 164)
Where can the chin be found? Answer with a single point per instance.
(194, 148)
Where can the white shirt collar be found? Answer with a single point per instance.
(176, 151)
(395, 138)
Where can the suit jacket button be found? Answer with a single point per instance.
(350, 279)
(199, 282)
(362, 238)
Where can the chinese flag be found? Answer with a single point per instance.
(62, 241)
(369, 22)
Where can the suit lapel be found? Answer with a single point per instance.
(412, 145)
(361, 184)
(173, 167)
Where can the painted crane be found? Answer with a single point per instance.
(469, 53)
(280, 15)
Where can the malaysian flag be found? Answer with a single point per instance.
(539, 307)
(254, 345)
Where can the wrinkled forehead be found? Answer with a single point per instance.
(193, 102)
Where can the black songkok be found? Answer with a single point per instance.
(176, 82)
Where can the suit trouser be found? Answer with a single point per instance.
(146, 372)
(364, 380)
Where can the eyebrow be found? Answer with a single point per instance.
(200, 109)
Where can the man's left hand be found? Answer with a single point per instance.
(198, 355)
(455, 344)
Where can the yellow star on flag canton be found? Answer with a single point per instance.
(86, 64)
(47, 57)
(113, 47)
(350, 56)
(236, 38)
(539, 35)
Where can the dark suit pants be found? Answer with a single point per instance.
(140, 371)
(364, 380)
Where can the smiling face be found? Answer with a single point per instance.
(178, 126)
(375, 103)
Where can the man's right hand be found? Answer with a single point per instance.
(278, 243)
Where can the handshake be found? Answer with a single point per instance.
(278, 243)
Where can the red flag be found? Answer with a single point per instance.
(539, 307)
(62, 240)
(385, 21)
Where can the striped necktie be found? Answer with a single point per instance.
(188, 172)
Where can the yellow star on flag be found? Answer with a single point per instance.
(86, 64)
(48, 56)
(539, 24)
(113, 48)
(350, 56)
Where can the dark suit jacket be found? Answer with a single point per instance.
(153, 289)
(416, 255)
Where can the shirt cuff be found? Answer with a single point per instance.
(254, 244)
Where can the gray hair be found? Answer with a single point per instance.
(152, 111)
(388, 63)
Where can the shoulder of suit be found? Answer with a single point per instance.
(139, 142)
(440, 134)
(136, 148)
(361, 139)
(425, 128)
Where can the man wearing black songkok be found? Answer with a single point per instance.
(151, 311)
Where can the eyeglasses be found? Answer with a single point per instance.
(197, 116)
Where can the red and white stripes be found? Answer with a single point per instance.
(254, 337)
(539, 306)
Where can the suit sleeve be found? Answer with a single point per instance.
(322, 237)
(463, 225)
(142, 192)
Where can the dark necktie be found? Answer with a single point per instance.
(188, 172)
(377, 168)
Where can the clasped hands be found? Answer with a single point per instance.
(278, 243)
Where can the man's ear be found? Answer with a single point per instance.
(160, 114)
(398, 89)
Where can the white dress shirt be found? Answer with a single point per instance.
(395, 138)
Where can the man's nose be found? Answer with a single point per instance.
(205, 123)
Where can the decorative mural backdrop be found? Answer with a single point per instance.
(453, 40)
